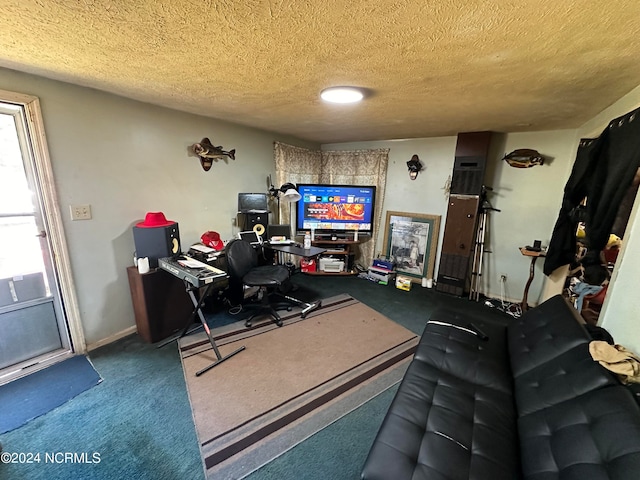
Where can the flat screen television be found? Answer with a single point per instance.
(335, 209)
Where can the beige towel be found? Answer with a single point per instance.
(617, 359)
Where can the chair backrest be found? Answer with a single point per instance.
(241, 257)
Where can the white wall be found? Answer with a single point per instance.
(529, 199)
(126, 158)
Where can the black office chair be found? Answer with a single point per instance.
(243, 270)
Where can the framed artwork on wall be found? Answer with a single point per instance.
(411, 241)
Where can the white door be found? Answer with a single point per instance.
(33, 328)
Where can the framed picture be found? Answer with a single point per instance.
(411, 241)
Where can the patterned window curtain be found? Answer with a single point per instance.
(295, 165)
(357, 167)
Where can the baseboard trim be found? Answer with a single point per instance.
(117, 336)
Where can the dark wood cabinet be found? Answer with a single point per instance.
(459, 238)
(160, 302)
(458, 244)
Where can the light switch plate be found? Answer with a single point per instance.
(80, 212)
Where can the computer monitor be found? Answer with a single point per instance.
(253, 203)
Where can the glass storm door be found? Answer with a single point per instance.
(33, 330)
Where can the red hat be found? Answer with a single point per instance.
(212, 239)
(155, 219)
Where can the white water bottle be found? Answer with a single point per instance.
(307, 241)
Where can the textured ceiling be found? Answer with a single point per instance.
(431, 67)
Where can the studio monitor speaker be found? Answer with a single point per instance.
(156, 242)
(257, 222)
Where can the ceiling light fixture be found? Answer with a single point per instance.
(342, 94)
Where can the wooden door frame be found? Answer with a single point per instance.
(51, 213)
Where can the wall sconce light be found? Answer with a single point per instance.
(414, 166)
(207, 153)
(524, 158)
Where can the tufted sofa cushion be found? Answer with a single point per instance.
(525, 402)
(459, 352)
(595, 436)
(571, 374)
(550, 358)
(544, 333)
(453, 415)
(575, 419)
(440, 426)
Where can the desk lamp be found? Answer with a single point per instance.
(289, 193)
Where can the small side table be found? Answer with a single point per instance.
(534, 256)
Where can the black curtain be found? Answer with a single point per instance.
(603, 172)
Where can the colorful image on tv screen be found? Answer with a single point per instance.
(335, 207)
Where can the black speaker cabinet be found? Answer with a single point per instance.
(156, 242)
(251, 220)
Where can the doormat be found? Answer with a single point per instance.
(29, 397)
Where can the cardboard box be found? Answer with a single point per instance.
(403, 283)
(383, 263)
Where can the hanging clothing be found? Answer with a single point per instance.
(603, 172)
(562, 247)
(618, 161)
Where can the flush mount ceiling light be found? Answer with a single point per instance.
(342, 94)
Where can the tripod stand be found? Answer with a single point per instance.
(479, 250)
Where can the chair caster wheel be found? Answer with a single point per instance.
(289, 309)
(279, 323)
(247, 324)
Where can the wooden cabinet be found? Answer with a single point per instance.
(160, 303)
(343, 250)
(472, 149)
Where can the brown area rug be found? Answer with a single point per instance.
(290, 382)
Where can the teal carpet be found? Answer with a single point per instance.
(138, 420)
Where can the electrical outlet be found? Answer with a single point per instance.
(80, 212)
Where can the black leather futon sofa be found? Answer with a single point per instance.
(488, 397)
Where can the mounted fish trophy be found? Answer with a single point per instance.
(524, 158)
(207, 153)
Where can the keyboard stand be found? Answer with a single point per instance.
(197, 311)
